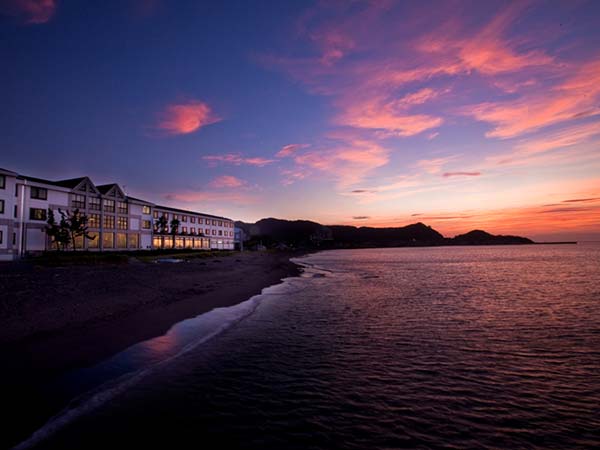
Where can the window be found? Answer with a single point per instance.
(193, 219)
(184, 218)
(122, 223)
(39, 193)
(155, 214)
(175, 216)
(207, 231)
(133, 241)
(78, 201)
(94, 203)
(220, 232)
(109, 205)
(1, 206)
(16, 190)
(192, 230)
(214, 232)
(15, 211)
(1, 236)
(214, 222)
(14, 239)
(183, 230)
(146, 224)
(2, 181)
(109, 221)
(122, 208)
(145, 209)
(166, 215)
(200, 220)
(94, 220)
(37, 214)
(220, 223)
(108, 240)
(121, 240)
(93, 243)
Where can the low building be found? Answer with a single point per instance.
(116, 220)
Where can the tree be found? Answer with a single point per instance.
(58, 233)
(75, 225)
(174, 229)
(161, 226)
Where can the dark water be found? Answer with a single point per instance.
(470, 347)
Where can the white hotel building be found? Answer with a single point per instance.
(117, 221)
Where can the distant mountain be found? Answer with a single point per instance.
(415, 234)
(306, 234)
(479, 237)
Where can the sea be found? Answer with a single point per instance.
(489, 347)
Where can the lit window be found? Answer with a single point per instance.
(39, 193)
(155, 214)
(192, 230)
(145, 209)
(175, 216)
(146, 224)
(214, 232)
(220, 223)
(78, 201)
(108, 240)
(109, 206)
(193, 219)
(207, 231)
(122, 208)
(93, 243)
(94, 220)
(121, 240)
(109, 221)
(200, 220)
(184, 218)
(37, 214)
(94, 203)
(184, 230)
(133, 241)
(122, 223)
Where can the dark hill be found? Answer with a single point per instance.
(415, 234)
(479, 237)
(304, 233)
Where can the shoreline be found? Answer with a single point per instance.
(85, 314)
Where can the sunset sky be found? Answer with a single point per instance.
(457, 114)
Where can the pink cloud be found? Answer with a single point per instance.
(226, 181)
(237, 160)
(461, 174)
(348, 160)
(185, 118)
(574, 98)
(235, 197)
(32, 11)
(288, 150)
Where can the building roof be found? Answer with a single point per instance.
(177, 210)
(104, 188)
(8, 172)
(140, 200)
(71, 183)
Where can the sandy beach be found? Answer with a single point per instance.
(56, 318)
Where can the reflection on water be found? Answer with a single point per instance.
(490, 347)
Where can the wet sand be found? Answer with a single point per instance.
(59, 318)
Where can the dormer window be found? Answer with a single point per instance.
(78, 201)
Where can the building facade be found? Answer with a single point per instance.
(115, 221)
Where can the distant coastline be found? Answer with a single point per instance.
(278, 233)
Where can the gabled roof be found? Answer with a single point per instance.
(71, 183)
(106, 188)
